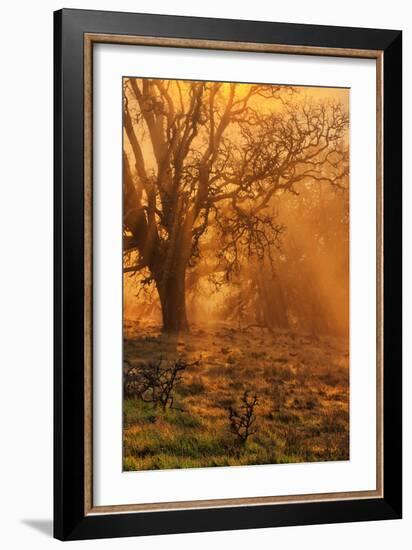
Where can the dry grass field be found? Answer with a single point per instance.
(301, 383)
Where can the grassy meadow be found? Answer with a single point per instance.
(301, 383)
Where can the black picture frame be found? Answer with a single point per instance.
(70, 520)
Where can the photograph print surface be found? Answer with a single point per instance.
(235, 274)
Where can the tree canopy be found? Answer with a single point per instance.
(208, 158)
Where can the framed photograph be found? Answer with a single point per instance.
(227, 274)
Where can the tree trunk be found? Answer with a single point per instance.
(173, 302)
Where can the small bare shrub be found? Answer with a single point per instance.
(154, 382)
(242, 419)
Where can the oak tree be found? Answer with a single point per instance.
(210, 156)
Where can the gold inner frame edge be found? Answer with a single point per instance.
(89, 40)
